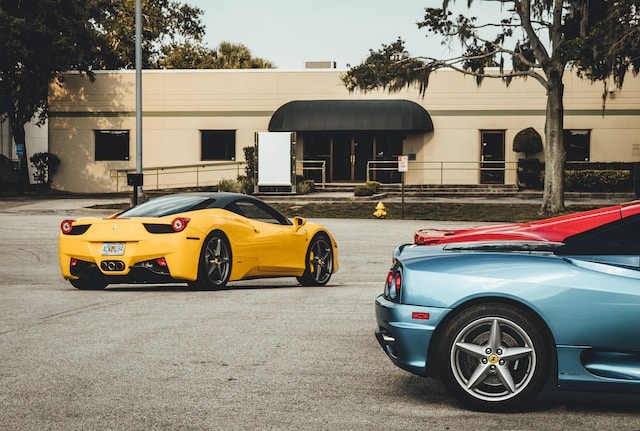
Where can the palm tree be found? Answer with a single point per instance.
(238, 56)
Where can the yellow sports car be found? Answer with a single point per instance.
(203, 239)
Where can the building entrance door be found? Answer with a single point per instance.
(342, 158)
(346, 155)
(350, 157)
(492, 157)
(362, 151)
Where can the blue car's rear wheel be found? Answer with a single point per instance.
(318, 262)
(214, 268)
(494, 357)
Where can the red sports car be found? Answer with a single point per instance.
(552, 229)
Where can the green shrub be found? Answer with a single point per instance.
(592, 180)
(529, 173)
(250, 159)
(369, 188)
(245, 185)
(240, 185)
(248, 181)
(527, 141)
(305, 187)
(599, 166)
(226, 185)
(46, 165)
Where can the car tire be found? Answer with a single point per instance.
(88, 283)
(318, 262)
(494, 357)
(214, 262)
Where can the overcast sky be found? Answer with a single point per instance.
(290, 32)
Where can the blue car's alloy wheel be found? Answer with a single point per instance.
(494, 357)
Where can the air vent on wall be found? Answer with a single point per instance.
(319, 64)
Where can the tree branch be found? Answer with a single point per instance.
(434, 64)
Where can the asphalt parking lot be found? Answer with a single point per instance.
(264, 355)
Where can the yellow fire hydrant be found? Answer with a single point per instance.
(381, 211)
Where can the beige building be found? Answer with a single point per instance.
(197, 122)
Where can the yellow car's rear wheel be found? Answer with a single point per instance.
(214, 267)
(318, 262)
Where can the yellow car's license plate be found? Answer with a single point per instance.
(113, 249)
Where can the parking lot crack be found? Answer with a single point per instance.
(68, 313)
(85, 308)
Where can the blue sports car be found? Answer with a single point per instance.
(496, 320)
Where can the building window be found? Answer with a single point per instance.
(218, 144)
(112, 145)
(576, 145)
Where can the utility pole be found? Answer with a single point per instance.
(137, 183)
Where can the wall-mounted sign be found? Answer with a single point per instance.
(403, 163)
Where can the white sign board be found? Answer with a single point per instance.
(403, 163)
(274, 158)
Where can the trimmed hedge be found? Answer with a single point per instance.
(369, 188)
(529, 173)
(598, 180)
(599, 166)
(609, 177)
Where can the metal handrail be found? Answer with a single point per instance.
(442, 166)
(388, 165)
(209, 174)
(201, 174)
(321, 166)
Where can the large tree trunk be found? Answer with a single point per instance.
(554, 154)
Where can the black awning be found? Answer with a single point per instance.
(350, 115)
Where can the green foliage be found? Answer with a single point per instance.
(606, 39)
(9, 177)
(250, 159)
(195, 55)
(248, 181)
(40, 42)
(529, 171)
(369, 188)
(166, 23)
(601, 39)
(45, 165)
(239, 185)
(592, 180)
(391, 68)
(237, 56)
(229, 185)
(527, 141)
(541, 38)
(423, 210)
(601, 166)
(246, 185)
(305, 187)
(186, 55)
(37, 43)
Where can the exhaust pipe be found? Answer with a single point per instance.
(112, 265)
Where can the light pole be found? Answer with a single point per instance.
(137, 186)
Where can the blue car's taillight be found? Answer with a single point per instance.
(393, 285)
